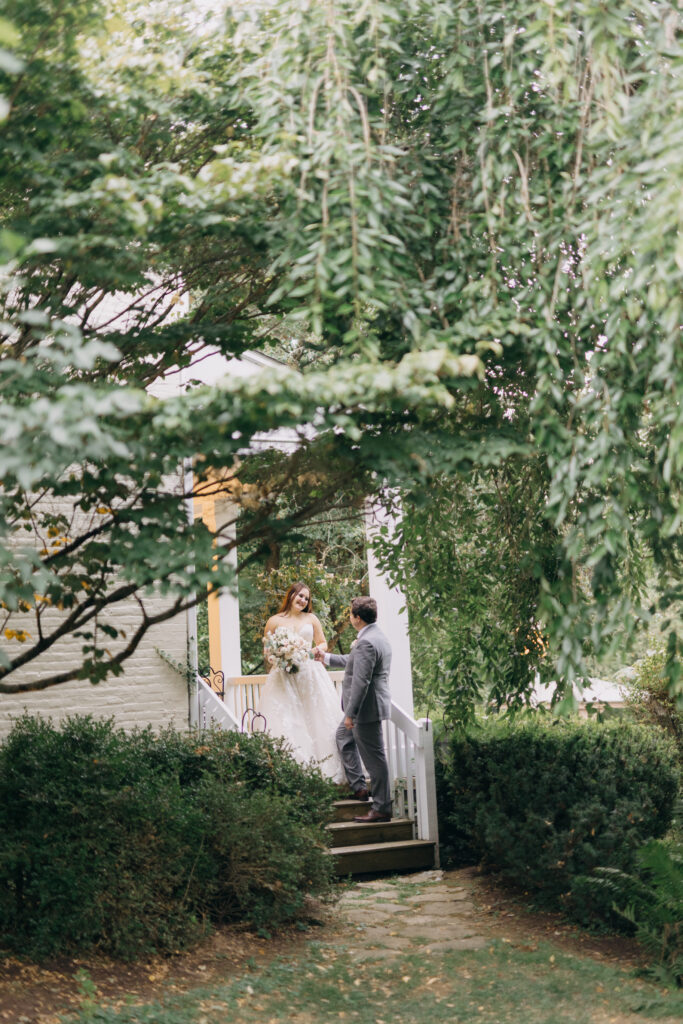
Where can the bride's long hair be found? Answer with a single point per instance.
(291, 594)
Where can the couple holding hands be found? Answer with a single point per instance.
(299, 701)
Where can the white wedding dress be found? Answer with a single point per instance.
(304, 708)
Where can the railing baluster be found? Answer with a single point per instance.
(398, 746)
(410, 779)
(403, 769)
(403, 765)
(391, 754)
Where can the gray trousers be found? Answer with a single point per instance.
(365, 741)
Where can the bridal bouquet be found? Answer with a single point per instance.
(287, 649)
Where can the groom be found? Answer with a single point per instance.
(365, 701)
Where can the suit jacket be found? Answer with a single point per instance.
(365, 689)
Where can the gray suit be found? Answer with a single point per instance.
(367, 700)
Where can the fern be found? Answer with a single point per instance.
(660, 926)
(652, 902)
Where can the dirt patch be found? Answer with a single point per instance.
(507, 915)
(39, 994)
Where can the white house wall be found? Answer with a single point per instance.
(149, 692)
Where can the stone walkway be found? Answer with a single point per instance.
(383, 919)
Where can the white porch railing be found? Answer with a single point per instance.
(409, 746)
(207, 710)
(410, 753)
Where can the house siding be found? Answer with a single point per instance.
(149, 692)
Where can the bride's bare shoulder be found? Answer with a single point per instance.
(273, 622)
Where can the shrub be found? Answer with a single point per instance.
(457, 842)
(134, 843)
(542, 803)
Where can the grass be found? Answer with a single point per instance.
(501, 984)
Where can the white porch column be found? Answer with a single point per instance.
(228, 602)
(191, 614)
(392, 616)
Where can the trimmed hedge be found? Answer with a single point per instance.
(134, 843)
(545, 803)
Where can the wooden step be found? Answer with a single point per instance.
(353, 833)
(346, 810)
(369, 858)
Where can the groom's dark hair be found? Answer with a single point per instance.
(364, 608)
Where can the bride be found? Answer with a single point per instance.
(302, 705)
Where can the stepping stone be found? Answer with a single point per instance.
(382, 937)
(439, 896)
(444, 909)
(447, 945)
(381, 894)
(439, 920)
(375, 906)
(367, 915)
(459, 930)
(423, 876)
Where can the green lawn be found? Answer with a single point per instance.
(497, 985)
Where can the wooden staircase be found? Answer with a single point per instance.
(383, 846)
(357, 849)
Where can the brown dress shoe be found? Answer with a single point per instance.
(373, 816)
(361, 794)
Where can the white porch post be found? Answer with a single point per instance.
(191, 614)
(392, 615)
(228, 603)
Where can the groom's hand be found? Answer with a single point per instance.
(348, 722)
(318, 653)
